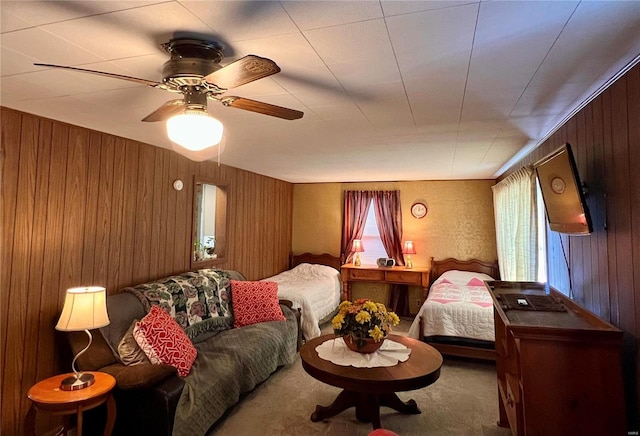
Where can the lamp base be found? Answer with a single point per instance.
(73, 383)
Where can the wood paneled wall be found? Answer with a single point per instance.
(81, 207)
(605, 266)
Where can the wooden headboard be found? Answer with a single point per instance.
(440, 266)
(321, 259)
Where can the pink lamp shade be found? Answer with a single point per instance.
(408, 248)
(357, 248)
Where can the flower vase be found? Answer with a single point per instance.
(362, 345)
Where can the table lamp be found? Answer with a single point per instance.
(357, 248)
(85, 308)
(409, 249)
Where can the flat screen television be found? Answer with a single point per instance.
(562, 193)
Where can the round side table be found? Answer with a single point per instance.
(47, 397)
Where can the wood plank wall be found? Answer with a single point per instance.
(605, 266)
(81, 207)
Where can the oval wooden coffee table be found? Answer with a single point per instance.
(367, 389)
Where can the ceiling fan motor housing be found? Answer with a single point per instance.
(191, 60)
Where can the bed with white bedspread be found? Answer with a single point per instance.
(314, 289)
(457, 316)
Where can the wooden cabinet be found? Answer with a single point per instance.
(559, 371)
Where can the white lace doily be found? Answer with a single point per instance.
(389, 354)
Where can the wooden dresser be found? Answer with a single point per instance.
(559, 372)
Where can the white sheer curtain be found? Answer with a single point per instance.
(514, 203)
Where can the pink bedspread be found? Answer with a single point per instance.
(445, 293)
(456, 310)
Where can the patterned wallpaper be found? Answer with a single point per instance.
(459, 223)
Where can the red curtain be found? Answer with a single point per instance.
(389, 218)
(356, 208)
(388, 215)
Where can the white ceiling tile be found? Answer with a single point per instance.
(19, 88)
(238, 21)
(581, 56)
(540, 100)
(15, 63)
(288, 51)
(394, 7)
(144, 67)
(314, 15)
(484, 112)
(42, 12)
(10, 21)
(434, 41)
(132, 32)
(356, 53)
(38, 44)
(389, 107)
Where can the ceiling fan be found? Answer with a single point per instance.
(194, 71)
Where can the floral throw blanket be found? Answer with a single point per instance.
(199, 301)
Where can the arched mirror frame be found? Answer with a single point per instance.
(201, 257)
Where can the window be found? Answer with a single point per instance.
(371, 242)
(542, 236)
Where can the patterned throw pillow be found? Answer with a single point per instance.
(163, 341)
(255, 302)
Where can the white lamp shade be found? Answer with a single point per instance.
(85, 307)
(194, 130)
(211, 153)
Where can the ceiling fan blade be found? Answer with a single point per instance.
(244, 70)
(262, 108)
(166, 111)
(112, 75)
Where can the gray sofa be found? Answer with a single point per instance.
(153, 399)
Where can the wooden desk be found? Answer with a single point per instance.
(367, 389)
(393, 275)
(46, 396)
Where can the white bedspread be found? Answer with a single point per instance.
(315, 289)
(454, 308)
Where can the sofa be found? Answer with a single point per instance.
(152, 397)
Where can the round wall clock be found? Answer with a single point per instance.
(419, 210)
(557, 184)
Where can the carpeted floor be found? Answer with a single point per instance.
(463, 401)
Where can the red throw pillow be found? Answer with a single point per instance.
(475, 282)
(164, 341)
(255, 302)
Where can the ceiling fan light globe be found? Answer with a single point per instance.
(194, 131)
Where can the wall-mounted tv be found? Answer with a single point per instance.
(562, 193)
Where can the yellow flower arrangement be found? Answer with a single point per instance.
(363, 319)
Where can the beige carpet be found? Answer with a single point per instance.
(463, 401)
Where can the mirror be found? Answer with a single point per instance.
(209, 237)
